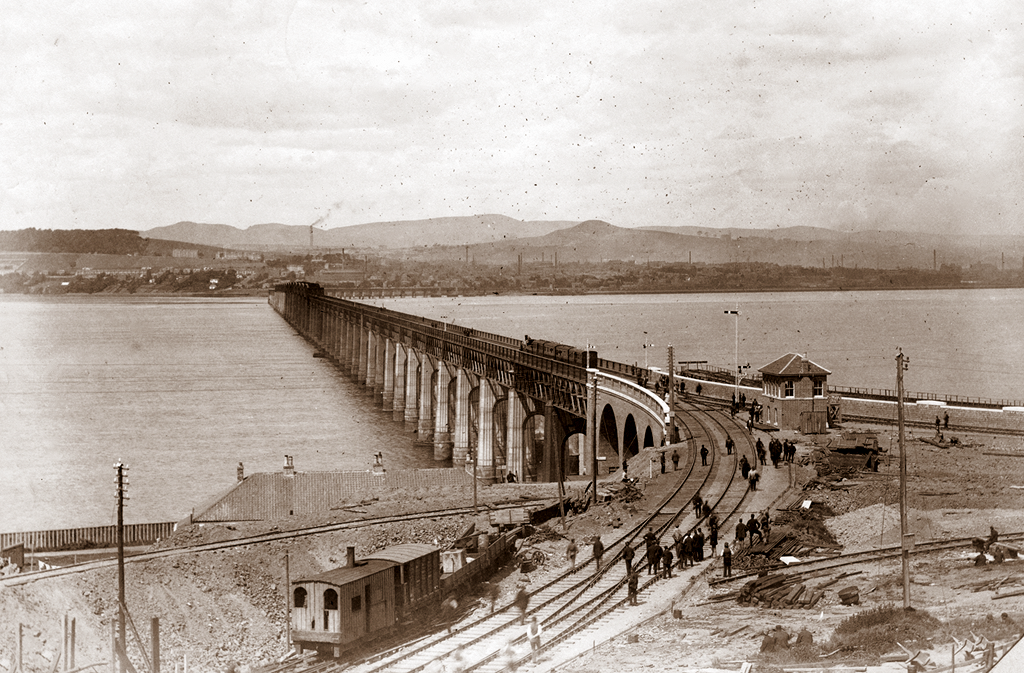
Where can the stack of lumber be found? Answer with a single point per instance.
(783, 591)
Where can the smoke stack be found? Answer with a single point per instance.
(289, 467)
(350, 557)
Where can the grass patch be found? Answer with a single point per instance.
(877, 631)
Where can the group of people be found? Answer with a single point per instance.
(756, 526)
(749, 472)
(779, 451)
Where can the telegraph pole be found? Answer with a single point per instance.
(737, 314)
(122, 641)
(672, 437)
(901, 365)
(592, 421)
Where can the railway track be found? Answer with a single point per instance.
(822, 565)
(25, 578)
(576, 604)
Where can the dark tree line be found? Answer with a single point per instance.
(81, 241)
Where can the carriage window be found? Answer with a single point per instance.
(357, 603)
(330, 600)
(300, 598)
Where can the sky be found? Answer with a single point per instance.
(869, 114)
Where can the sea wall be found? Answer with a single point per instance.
(925, 412)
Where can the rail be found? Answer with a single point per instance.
(957, 400)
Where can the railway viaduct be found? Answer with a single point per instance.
(494, 403)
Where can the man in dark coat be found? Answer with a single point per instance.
(598, 552)
(703, 455)
(726, 561)
(675, 460)
(627, 557)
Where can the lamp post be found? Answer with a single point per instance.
(737, 314)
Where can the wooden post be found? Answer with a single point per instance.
(114, 658)
(64, 643)
(17, 656)
(71, 646)
(287, 602)
(154, 643)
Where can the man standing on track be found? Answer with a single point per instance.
(703, 455)
(627, 557)
(726, 561)
(598, 552)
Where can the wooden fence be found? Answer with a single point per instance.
(85, 538)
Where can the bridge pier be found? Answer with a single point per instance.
(519, 409)
(388, 395)
(412, 390)
(442, 411)
(401, 364)
(425, 426)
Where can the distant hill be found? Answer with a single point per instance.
(596, 241)
(469, 230)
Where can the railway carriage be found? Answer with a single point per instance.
(364, 599)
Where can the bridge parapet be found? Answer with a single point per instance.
(637, 395)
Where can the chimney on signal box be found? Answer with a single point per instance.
(350, 557)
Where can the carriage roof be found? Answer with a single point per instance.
(372, 564)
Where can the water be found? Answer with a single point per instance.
(965, 342)
(182, 389)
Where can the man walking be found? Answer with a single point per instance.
(598, 552)
(703, 455)
(726, 561)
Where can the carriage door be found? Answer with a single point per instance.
(331, 611)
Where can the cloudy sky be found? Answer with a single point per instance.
(852, 115)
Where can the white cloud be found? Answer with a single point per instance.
(710, 113)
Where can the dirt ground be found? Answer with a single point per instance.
(228, 606)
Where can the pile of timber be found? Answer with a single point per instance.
(766, 554)
(784, 591)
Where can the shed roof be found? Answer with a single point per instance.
(403, 553)
(793, 364)
(348, 574)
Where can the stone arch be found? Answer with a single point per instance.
(499, 427)
(473, 440)
(574, 450)
(608, 437)
(630, 440)
(533, 445)
(648, 437)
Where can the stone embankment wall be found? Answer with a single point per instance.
(1007, 418)
(269, 496)
(884, 411)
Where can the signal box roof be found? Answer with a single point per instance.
(793, 364)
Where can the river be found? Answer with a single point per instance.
(183, 389)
